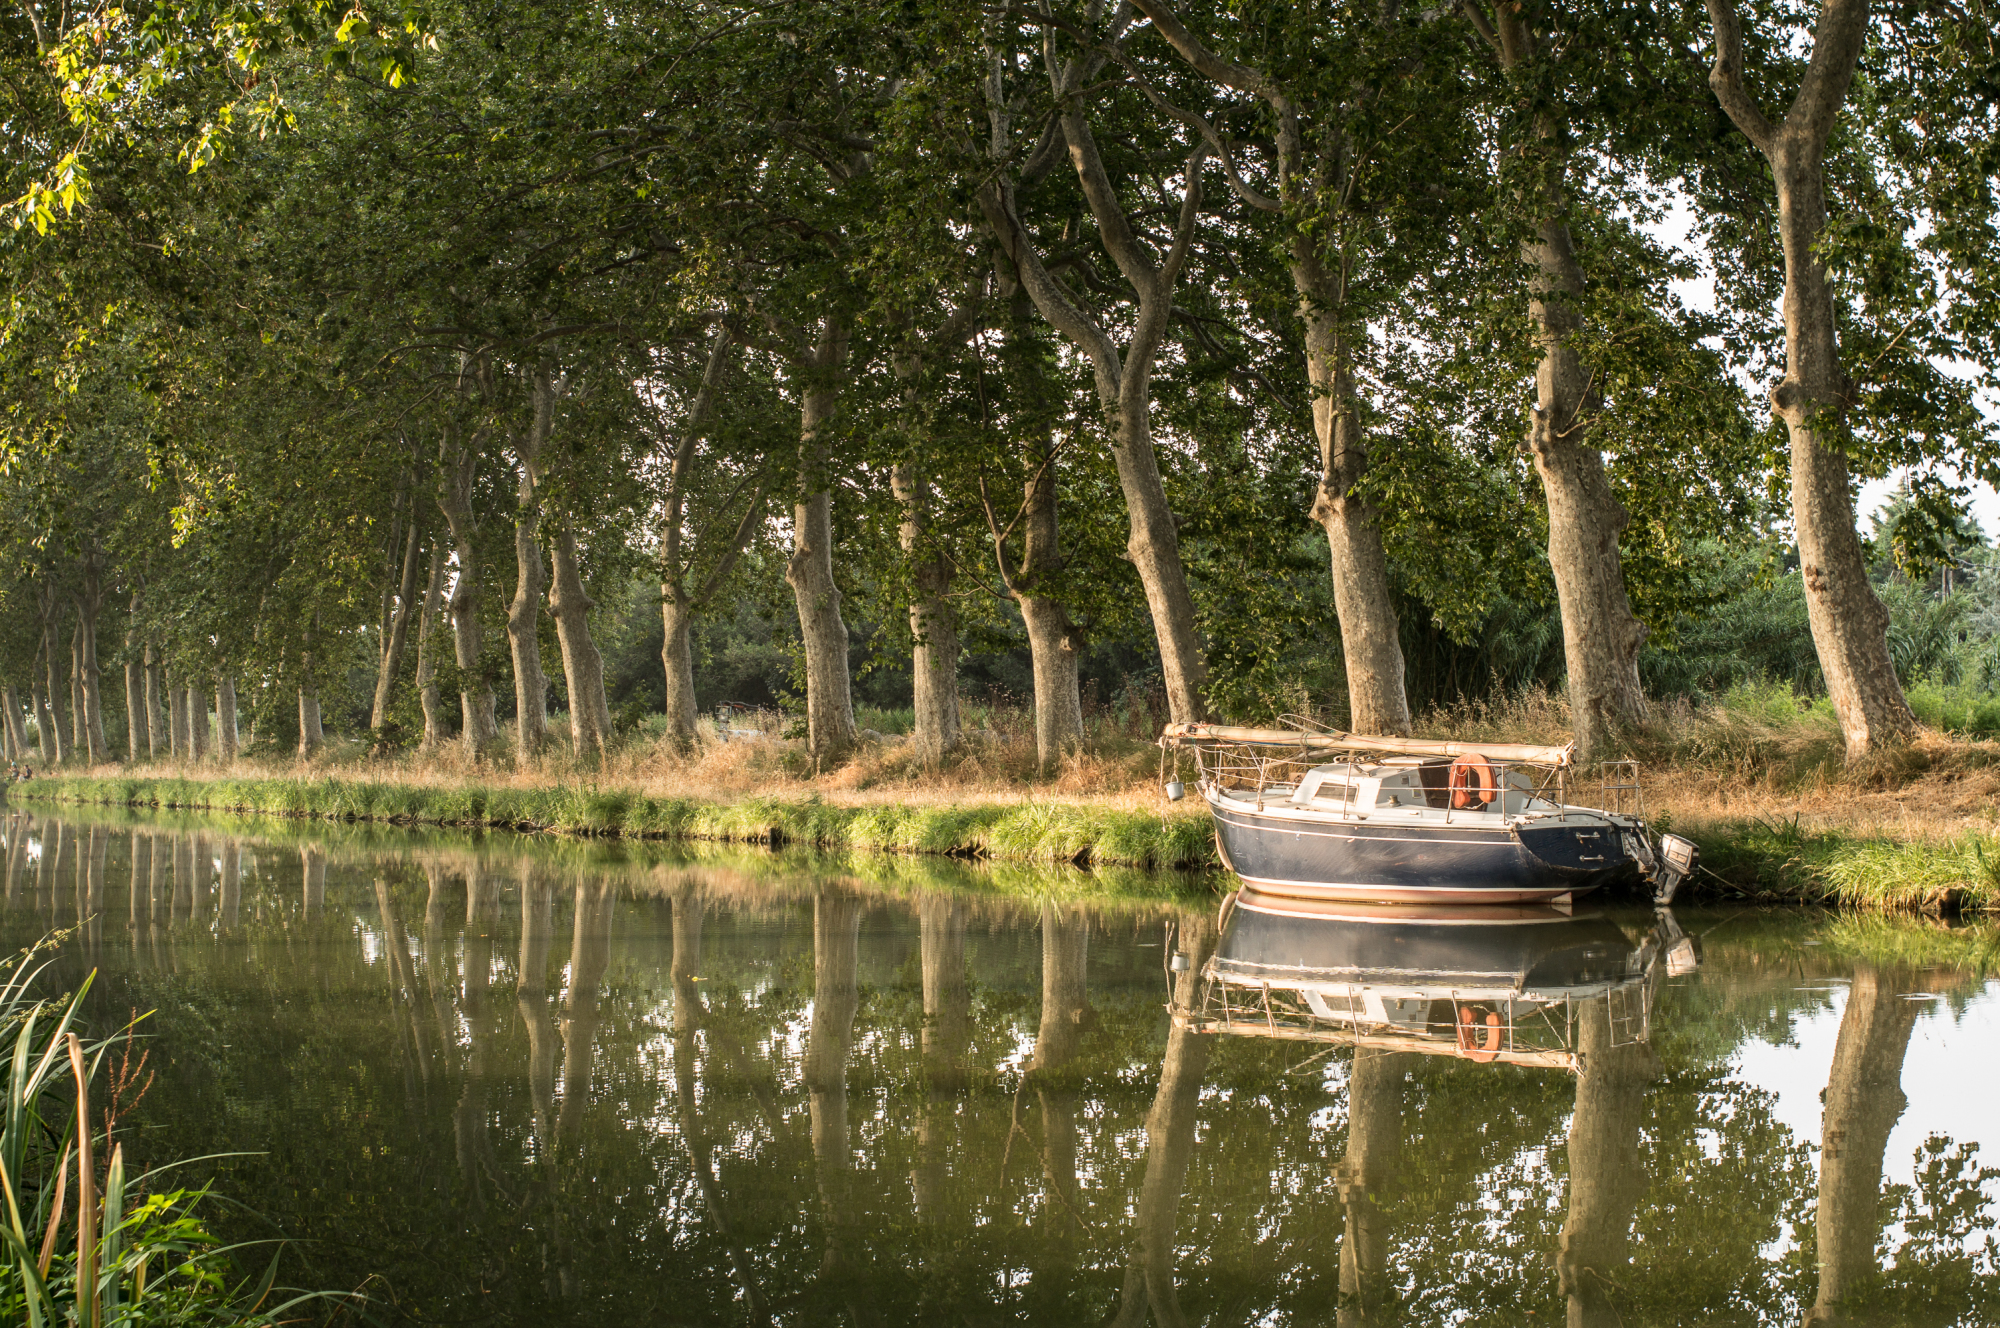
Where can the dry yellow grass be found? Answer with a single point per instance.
(1759, 754)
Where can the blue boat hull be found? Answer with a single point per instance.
(1411, 863)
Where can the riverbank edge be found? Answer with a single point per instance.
(1767, 861)
(1041, 832)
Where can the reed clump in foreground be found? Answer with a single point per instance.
(84, 1239)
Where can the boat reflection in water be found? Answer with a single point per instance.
(1503, 983)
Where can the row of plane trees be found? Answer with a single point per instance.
(1034, 323)
(598, 1088)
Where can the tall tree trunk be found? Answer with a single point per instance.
(311, 736)
(177, 705)
(1378, 701)
(427, 688)
(1607, 1168)
(1055, 644)
(679, 597)
(227, 738)
(197, 709)
(583, 663)
(1365, 1177)
(933, 623)
(1601, 635)
(159, 737)
(398, 628)
(524, 615)
(1370, 640)
(830, 728)
(55, 735)
(1863, 1101)
(78, 719)
(1153, 544)
(17, 731)
(480, 728)
(1850, 627)
(677, 657)
(44, 722)
(138, 734)
(89, 603)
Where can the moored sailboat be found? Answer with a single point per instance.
(1404, 820)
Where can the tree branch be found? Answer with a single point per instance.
(1726, 76)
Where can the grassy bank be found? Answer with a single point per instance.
(1018, 831)
(1760, 858)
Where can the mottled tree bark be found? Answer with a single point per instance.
(177, 708)
(228, 740)
(44, 723)
(677, 658)
(17, 729)
(680, 596)
(159, 735)
(583, 663)
(89, 603)
(197, 711)
(55, 728)
(480, 729)
(1055, 644)
(138, 734)
(311, 736)
(1370, 633)
(524, 614)
(1123, 376)
(435, 724)
(830, 729)
(1850, 627)
(1601, 635)
(933, 624)
(394, 639)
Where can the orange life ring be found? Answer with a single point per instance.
(1468, 1035)
(1473, 782)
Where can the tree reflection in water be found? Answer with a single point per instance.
(751, 1093)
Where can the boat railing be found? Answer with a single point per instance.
(1254, 772)
(1464, 1023)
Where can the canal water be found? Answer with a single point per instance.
(499, 1080)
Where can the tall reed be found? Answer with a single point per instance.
(84, 1250)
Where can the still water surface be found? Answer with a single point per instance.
(506, 1082)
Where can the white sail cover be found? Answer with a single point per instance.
(1224, 735)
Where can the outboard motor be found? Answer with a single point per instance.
(1675, 864)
